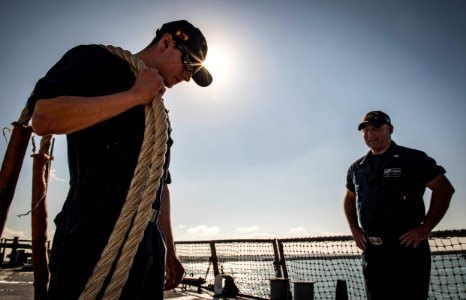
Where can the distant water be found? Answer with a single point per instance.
(448, 277)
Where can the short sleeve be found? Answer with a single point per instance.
(428, 168)
(349, 180)
(80, 72)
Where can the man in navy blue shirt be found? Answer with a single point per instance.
(386, 213)
(93, 97)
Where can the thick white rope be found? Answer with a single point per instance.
(129, 228)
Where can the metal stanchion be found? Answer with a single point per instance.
(341, 292)
(280, 289)
(303, 290)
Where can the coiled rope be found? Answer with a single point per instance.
(137, 210)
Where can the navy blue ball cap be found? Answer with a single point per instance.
(195, 44)
(375, 118)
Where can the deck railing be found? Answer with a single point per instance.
(323, 260)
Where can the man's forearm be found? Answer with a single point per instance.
(442, 192)
(67, 114)
(165, 219)
(350, 212)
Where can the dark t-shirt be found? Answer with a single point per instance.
(389, 189)
(101, 160)
(105, 154)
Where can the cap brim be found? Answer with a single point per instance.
(374, 123)
(202, 77)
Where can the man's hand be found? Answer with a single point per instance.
(149, 84)
(174, 272)
(442, 191)
(359, 238)
(68, 114)
(414, 237)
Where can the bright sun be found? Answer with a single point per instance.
(217, 64)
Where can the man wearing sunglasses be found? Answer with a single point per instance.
(93, 97)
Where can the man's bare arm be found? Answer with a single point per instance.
(174, 270)
(67, 114)
(352, 217)
(442, 191)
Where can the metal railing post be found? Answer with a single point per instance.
(214, 258)
(282, 259)
(276, 262)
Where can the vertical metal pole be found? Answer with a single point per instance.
(276, 262)
(2, 250)
(281, 284)
(282, 259)
(214, 257)
(14, 251)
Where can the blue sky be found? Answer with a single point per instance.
(264, 150)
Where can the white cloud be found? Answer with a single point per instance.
(9, 234)
(54, 176)
(203, 230)
(251, 232)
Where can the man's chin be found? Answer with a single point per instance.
(170, 84)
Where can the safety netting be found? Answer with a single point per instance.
(323, 260)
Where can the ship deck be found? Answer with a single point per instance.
(16, 284)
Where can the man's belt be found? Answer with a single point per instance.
(375, 240)
(154, 216)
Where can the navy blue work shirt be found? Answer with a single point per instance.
(389, 193)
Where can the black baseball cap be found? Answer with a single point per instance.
(194, 42)
(375, 118)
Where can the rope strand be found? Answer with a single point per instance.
(134, 216)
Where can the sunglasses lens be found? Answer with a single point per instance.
(188, 65)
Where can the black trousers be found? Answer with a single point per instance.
(392, 271)
(82, 231)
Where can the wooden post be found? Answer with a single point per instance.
(41, 170)
(11, 168)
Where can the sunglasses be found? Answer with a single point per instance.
(188, 61)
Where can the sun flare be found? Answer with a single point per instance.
(217, 64)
